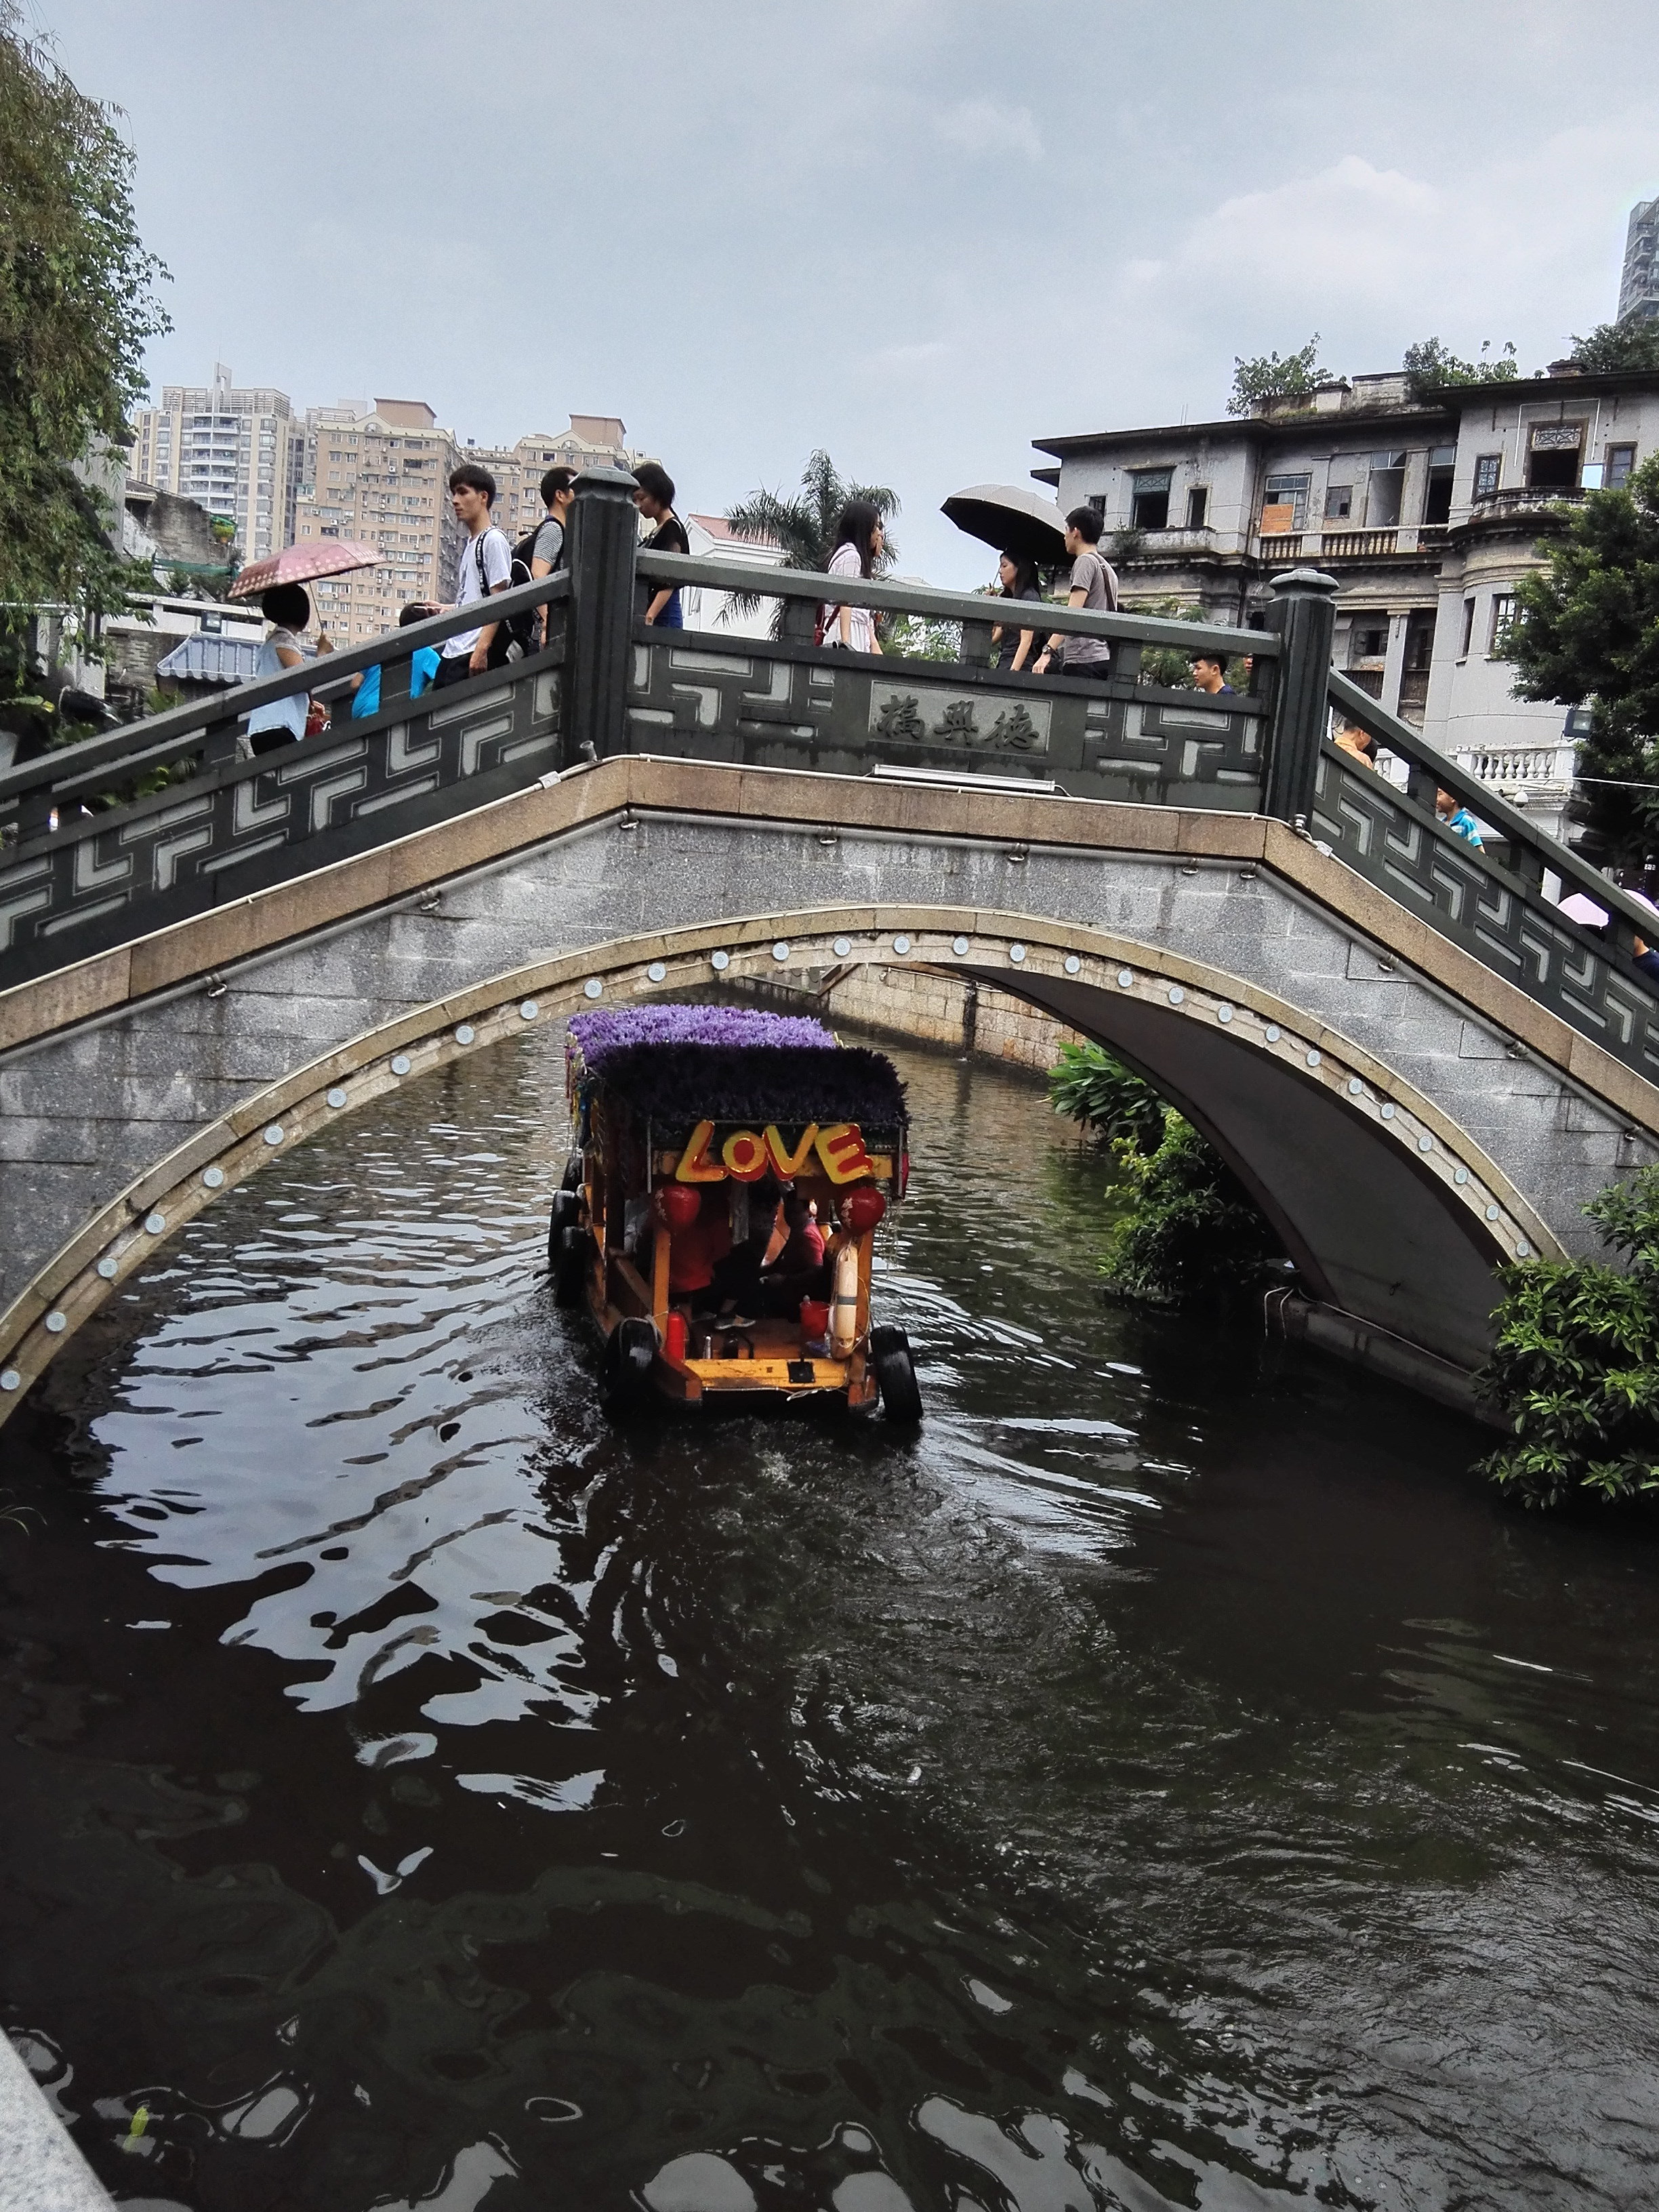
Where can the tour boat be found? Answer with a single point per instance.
(728, 1173)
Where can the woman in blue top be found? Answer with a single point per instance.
(423, 667)
(287, 608)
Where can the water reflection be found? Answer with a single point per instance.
(1165, 1780)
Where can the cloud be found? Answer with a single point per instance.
(1374, 256)
(980, 126)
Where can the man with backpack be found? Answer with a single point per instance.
(486, 567)
(545, 547)
(548, 548)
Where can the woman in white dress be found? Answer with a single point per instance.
(858, 548)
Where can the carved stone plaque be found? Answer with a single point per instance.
(933, 714)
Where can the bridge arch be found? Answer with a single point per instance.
(1386, 1205)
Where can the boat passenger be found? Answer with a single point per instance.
(804, 1247)
(694, 1253)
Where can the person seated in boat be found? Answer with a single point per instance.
(737, 1277)
(695, 1254)
(803, 1247)
(797, 1272)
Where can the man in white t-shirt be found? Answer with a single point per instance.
(486, 567)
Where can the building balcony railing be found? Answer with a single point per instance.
(1289, 546)
(1160, 543)
(1522, 765)
(1523, 499)
(1282, 547)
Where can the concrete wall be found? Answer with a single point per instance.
(943, 1010)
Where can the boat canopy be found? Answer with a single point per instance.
(681, 1065)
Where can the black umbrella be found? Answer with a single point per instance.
(1013, 518)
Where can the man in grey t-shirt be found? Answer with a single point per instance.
(558, 496)
(1094, 586)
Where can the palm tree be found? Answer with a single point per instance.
(804, 526)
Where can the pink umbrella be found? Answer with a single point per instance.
(298, 564)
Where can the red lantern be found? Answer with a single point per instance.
(677, 1205)
(864, 1209)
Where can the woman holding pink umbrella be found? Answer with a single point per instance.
(278, 582)
(287, 608)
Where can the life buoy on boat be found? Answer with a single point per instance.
(844, 1303)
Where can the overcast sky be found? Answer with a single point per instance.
(920, 233)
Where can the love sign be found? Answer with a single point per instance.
(745, 1157)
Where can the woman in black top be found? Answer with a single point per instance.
(655, 501)
(1019, 581)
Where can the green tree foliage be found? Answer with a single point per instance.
(1092, 1085)
(1588, 628)
(77, 306)
(1191, 1233)
(1631, 344)
(1267, 377)
(918, 637)
(804, 522)
(1429, 366)
(1574, 1370)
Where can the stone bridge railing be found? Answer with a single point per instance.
(90, 860)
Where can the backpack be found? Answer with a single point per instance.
(515, 634)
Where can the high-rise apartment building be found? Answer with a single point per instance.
(592, 442)
(228, 446)
(378, 473)
(1638, 286)
(382, 477)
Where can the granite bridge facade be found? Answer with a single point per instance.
(1420, 1067)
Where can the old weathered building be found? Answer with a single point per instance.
(1426, 508)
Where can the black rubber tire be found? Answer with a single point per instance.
(572, 1173)
(625, 1366)
(895, 1376)
(567, 1214)
(569, 1268)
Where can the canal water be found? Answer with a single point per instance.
(1169, 1780)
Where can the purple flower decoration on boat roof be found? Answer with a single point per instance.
(617, 1029)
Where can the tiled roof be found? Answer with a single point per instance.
(206, 659)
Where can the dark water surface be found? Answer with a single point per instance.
(1169, 1780)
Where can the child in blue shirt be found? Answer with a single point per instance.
(423, 667)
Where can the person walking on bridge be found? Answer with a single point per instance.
(1094, 586)
(655, 501)
(287, 608)
(486, 568)
(858, 548)
(1016, 580)
(551, 549)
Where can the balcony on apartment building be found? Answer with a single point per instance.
(1285, 549)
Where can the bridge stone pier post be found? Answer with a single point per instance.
(1303, 616)
(603, 540)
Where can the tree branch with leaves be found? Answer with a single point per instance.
(77, 305)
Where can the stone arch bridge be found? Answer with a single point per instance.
(1417, 1066)
(1407, 1119)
